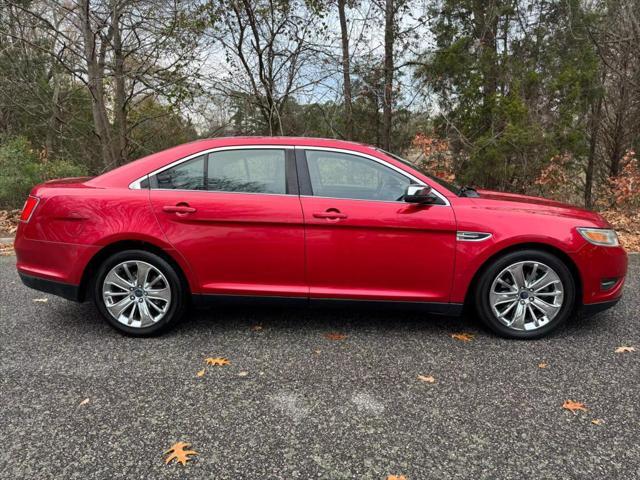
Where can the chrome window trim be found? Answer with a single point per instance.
(135, 185)
(382, 162)
(223, 191)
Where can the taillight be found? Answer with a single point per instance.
(29, 207)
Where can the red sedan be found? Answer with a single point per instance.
(311, 220)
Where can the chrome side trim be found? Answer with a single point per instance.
(382, 162)
(472, 236)
(135, 185)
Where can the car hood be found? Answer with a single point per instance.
(500, 200)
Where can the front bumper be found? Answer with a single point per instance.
(593, 308)
(64, 290)
(602, 271)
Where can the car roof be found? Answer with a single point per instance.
(125, 174)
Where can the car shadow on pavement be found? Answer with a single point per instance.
(234, 319)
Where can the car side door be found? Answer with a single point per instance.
(234, 214)
(363, 241)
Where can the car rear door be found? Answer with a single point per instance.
(363, 242)
(235, 216)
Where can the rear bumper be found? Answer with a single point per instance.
(64, 290)
(56, 261)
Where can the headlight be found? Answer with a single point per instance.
(600, 236)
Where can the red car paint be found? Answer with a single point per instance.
(283, 245)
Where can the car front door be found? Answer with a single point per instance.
(234, 214)
(363, 241)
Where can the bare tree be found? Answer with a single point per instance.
(617, 38)
(123, 52)
(346, 69)
(389, 44)
(267, 50)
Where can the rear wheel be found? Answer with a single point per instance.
(525, 294)
(139, 293)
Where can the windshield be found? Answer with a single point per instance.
(448, 185)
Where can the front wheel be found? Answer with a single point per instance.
(525, 294)
(138, 292)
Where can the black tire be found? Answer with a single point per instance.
(179, 298)
(482, 301)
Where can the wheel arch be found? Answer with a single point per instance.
(119, 246)
(545, 247)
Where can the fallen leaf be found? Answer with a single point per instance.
(463, 336)
(84, 402)
(597, 421)
(243, 374)
(625, 349)
(6, 249)
(200, 373)
(217, 361)
(178, 453)
(42, 300)
(335, 336)
(574, 406)
(257, 328)
(426, 378)
(542, 365)
(317, 352)
(396, 477)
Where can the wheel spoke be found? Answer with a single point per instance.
(131, 318)
(163, 294)
(536, 321)
(532, 276)
(517, 274)
(119, 307)
(142, 273)
(519, 317)
(155, 307)
(548, 294)
(498, 298)
(546, 308)
(145, 316)
(114, 279)
(508, 309)
(153, 282)
(546, 285)
(131, 278)
(507, 285)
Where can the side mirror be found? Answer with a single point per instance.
(419, 194)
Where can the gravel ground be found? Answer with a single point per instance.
(310, 407)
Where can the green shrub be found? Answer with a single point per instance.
(21, 169)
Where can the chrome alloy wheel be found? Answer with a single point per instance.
(136, 293)
(526, 295)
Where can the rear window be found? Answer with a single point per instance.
(188, 175)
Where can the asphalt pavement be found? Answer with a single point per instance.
(294, 404)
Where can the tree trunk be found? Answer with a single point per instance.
(596, 111)
(95, 84)
(52, 124)
(348, 107)
(486, 24)
(389, 39)
(119, 97)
